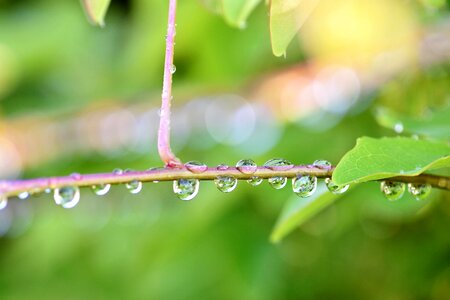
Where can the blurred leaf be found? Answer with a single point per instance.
(96, 10)
(437, 125)
(299, 210)
(236, 12)
(373, 159)
(213, 5)
(286, 18)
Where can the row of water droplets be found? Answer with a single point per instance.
(395, 190)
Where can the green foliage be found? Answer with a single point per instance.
(96, 10)
(236, 12)
(373, 159)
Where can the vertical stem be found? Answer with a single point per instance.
(164, 149)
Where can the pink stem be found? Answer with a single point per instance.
(165, 152)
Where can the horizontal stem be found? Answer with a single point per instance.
(15, 187)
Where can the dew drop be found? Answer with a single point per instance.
(23, 195)
(118, 171)
(278, 164)
(173, 69)
(246, 166)
(304, 186)
(76, 176)
(186, 189)
(3, 202)
(222, 167)
(419, 190)
(48, 190)
(225, 184)
(101, 189)
(196, 167)
(334, 188)
(134, 186)
(255, 181)
(277, 182)
(67, 196)
(398, 127)
(322, 164)
(392, 190)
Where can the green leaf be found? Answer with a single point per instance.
(435, 125)
(96, 10)
(373, 159)
(236, 12)
(286, 18)
(299, 210)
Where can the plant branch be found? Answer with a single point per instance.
(15, 187)
(165, 152)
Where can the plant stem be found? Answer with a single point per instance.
(15, 187)
(165, 152)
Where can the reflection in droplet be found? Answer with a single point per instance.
(278, 164)
(173, 69)
(225, 184)
(101, 189)
(419, 190)
(118, 171)
(196, 167)
(246, 166)
(67, 196)
(3, 202)
(222, 167)
(23, 195)
(134, 186)
(186, 189)
(254, 181)
(304, 186)
(392, 190)
(334, 188)
(277, 182)
(322, 164)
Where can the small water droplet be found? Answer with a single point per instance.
(392, 190)
(23, 195)
(334, 188)
(48, 190)
(304, 186)
(322, 164)
(222, 167)
(419, 190)
(3, 202)
(246, 166)
(173, 69)
(277, 182)
(101, 189)
(186, 189)
(134, 186)
(118, 171)
(67, 196)
(278, 164)
(255, 181)
(225, 184)
(196, 167)
(76, 176)
(398, 127)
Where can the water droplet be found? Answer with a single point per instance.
(118, 171)
(225, 184)
(398, 127)
(255, 181)
(278, 164)
(222, 167)
(277, 182)
(322, 164)
(246, 166)
(67, 196)
(186, 189)
(392, 190)
(101, 189)
(23, 195)
(76, 176)
(48, 190)
(3, 202)
(196, 167)
(173, 69)
(334, 188)
(304, 186)
(134, 186)
(419, 190)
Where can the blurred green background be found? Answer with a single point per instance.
(77, 98)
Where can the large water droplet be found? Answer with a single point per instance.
(67, 196)
(134, 186)
(225, 184)
(322, 164)
(304, 186)
(419, 190)
(398, 127)
(186, 189)
(23, 195)
(277, 182)
(255, 181)
(196, 167)
(3, 202)
(101, 189)
(334, 188)
(173, 69)
(246, 166)
(392, 190)
(278, 164)
(222, 167)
